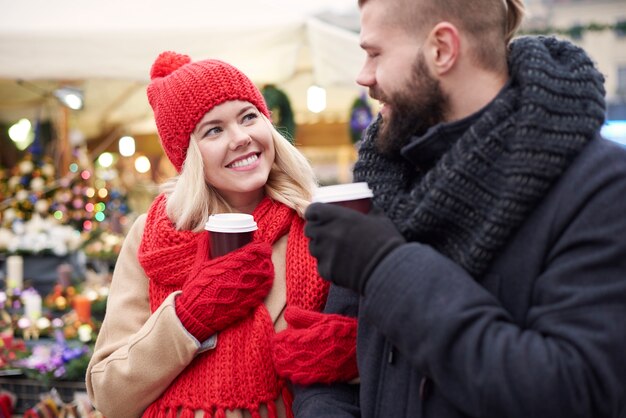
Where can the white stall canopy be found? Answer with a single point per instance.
(106, 49)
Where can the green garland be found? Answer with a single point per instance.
(577, 31)
(280, 108)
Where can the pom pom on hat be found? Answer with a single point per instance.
(182, 92)
(167, 62)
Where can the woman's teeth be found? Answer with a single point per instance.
(244, 162)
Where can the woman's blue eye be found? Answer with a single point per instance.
(212, 131)
(250, 116)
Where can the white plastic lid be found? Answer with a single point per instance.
(231, 223)
(342, 192)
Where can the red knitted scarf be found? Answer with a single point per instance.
(238, 373)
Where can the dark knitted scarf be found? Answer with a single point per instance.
(468, 203)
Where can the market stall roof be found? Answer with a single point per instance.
(72, 39)
(107, 48)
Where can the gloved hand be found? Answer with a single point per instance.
(316, 347)
(221, 291)
(348, 244)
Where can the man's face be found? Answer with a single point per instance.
(411, 110)
(396, 73)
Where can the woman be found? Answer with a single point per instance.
(186, 335)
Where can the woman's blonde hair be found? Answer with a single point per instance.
(190, 200)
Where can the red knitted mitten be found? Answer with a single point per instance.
(221, 291)
(316, 347)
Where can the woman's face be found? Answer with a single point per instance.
(237, 150)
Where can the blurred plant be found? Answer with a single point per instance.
(39, 235)
(103, 245)
(11, 350)
(56, 361)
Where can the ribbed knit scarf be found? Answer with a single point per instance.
(238, 373)
(468, 203)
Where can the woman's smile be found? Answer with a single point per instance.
(244, 163)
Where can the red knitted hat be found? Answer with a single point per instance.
(182, 92)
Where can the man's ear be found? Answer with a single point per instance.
(442, 48)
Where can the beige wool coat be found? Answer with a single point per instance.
(139, 353)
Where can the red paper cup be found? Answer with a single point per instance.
(357, 196)
(229, 231)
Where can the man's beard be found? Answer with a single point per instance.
(413, 110)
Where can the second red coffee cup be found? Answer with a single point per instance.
(229, 231)
(357, 196)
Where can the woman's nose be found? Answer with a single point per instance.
(239, 137)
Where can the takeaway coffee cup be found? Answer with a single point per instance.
(229, 231)
(357, 196)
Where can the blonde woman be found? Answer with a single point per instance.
(189, 335)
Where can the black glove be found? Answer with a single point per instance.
(348, 244)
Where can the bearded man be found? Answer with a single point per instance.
(490, 279)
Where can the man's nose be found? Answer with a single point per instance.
(366, 76)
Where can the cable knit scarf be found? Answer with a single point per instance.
(468, 203)
(238, 373)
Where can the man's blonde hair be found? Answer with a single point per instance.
(489, 24)
(190, 200)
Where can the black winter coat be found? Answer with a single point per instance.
(542, 335)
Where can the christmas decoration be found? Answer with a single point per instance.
(40, 214)
(46, 340)
(577, 31)
(280, 109)
(26, 189)
(360, 117)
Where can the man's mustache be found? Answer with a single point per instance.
(377, 95)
